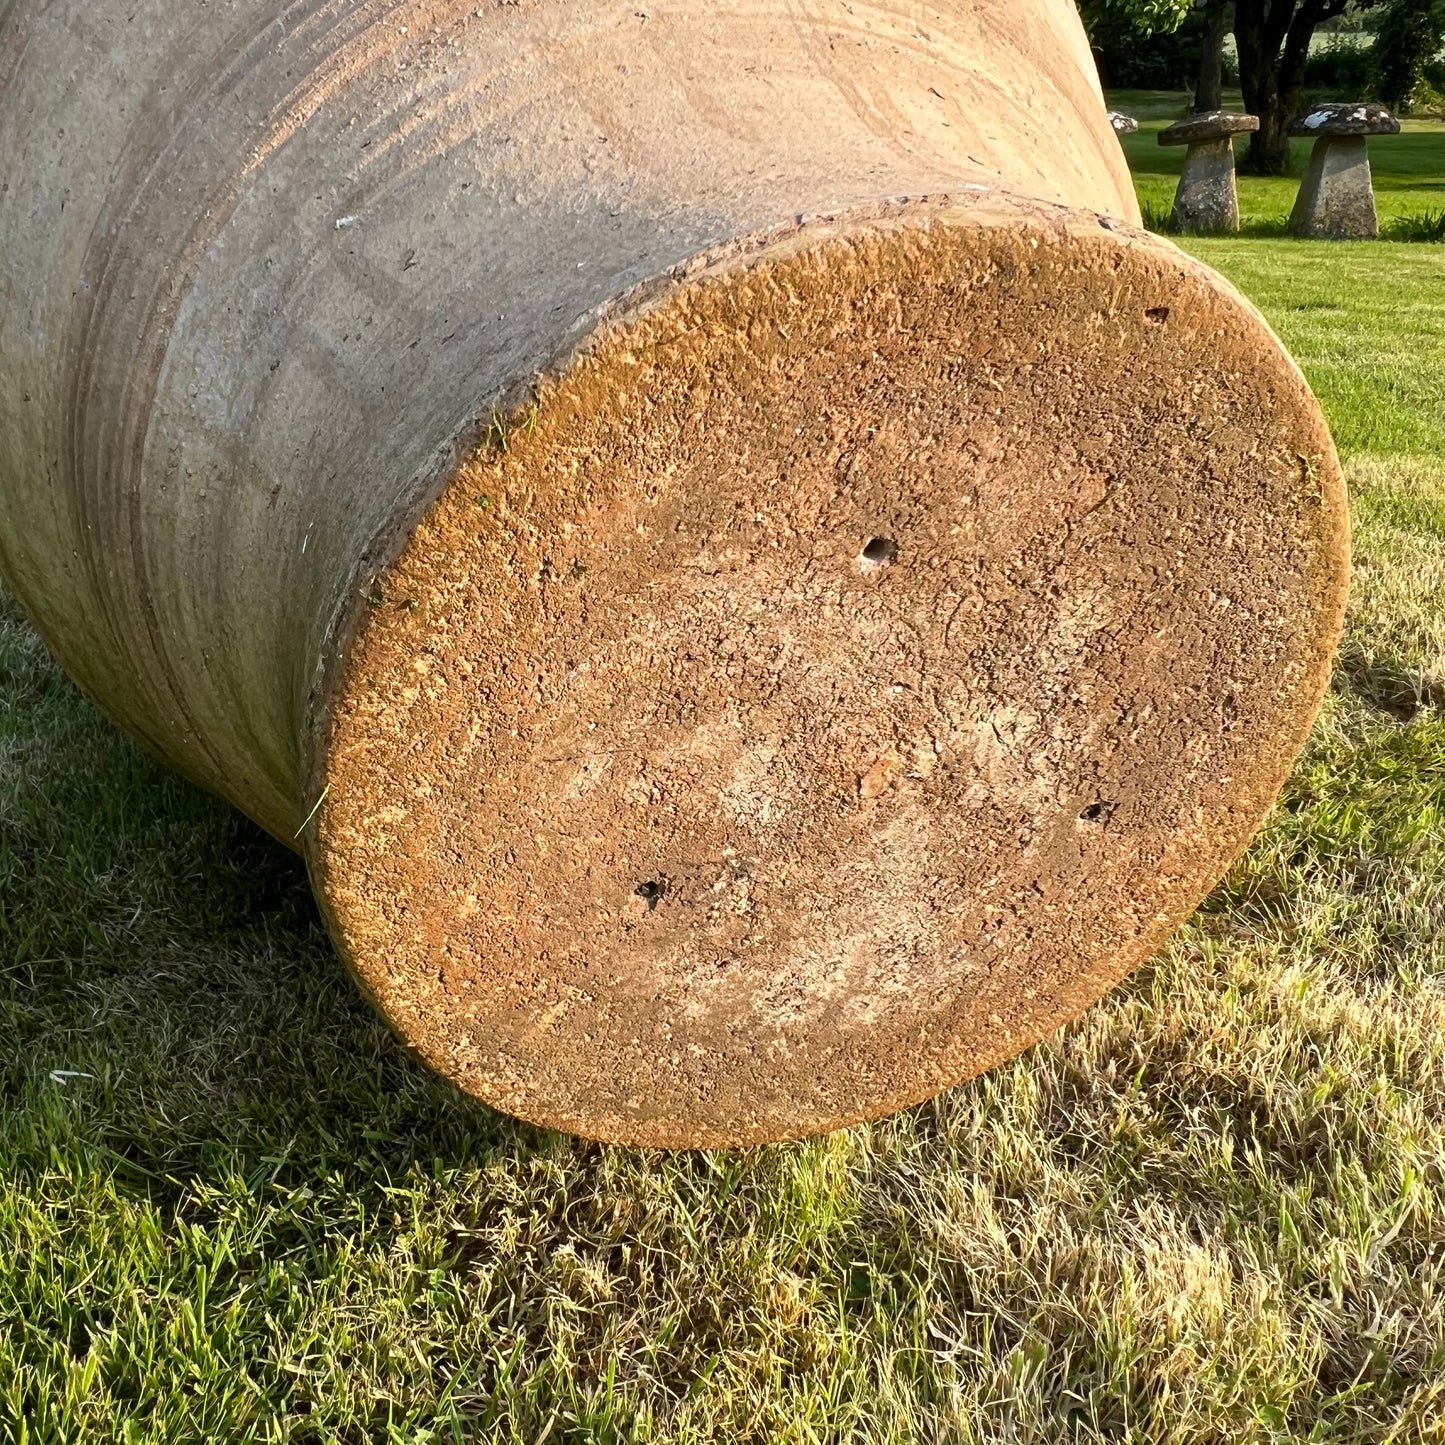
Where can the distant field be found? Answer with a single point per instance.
(1212, 1210)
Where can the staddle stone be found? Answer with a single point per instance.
(1347, 119)
(1207, 198)
(1206, 126)
(1337, 197)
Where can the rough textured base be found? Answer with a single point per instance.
(1336, 199)
(853, 666)
(1207, 200)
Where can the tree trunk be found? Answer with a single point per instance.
(1294, 61)
(758, 594)
(1257, 44)
(1268, 153)
(1273, 40)
(1209, 90)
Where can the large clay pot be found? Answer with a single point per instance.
(758, 591)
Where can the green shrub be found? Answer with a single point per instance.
(1411, 32)
(1128, 61)
(1340, 65)
(1428, 226)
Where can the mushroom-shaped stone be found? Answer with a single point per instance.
(1337, 197)
(1207, 198)
(1123, 124)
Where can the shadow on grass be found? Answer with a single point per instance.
(1387, 684)
(169, 996)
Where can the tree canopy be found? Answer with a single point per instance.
(1272, 46)
(1410, 34)
(1146, 16)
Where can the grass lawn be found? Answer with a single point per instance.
(231, 1208)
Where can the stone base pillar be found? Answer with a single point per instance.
(1207, 198)
(1337, 197)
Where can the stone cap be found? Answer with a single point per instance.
(1211, 125)
(1123, 124)
(1362, 118)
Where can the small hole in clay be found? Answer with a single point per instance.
(1158, 314)
(880, 552)
(1097, 813)
(650, 893)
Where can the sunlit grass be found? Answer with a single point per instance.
(1367, 321)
